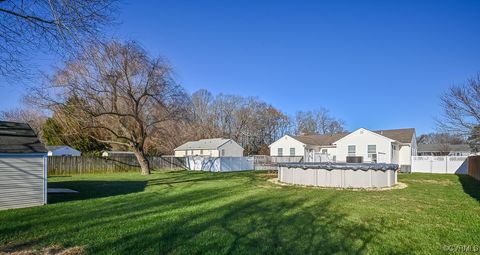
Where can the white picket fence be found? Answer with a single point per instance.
(219, 164)
(440, 164)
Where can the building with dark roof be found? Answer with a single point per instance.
(444, 150)
(23, 167)
(62, 150)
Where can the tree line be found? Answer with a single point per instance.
(114, 95)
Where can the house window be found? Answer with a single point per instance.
(351, 150)
(292, 151)
(201, 152)
(372, 153)
(324, 151)
(223, 152)
(280, 152)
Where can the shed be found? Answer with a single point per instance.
(62, 150)
(118, 154)
(215, 147)
(23, 167)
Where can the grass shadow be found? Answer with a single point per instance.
(91, 189)
(94, 189)
(470, 185)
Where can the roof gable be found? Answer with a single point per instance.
(19, 138)
(57, 147)
(404, 135)
(203, 144)
(361, 131)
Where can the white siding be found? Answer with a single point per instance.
(361, 138)
(287, 142)
(405, 157)
(183, 153)
(22, 182)
(232, 149)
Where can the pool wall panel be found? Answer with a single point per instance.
(347, 178)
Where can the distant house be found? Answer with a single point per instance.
(62, 150)
(117, 153)
(444, 150)
(216, 147)
(23, 167)
(382, 146)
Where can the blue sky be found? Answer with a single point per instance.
(374, 64)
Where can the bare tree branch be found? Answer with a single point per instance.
(116, 88)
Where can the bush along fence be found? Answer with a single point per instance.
(84, 165)
(474, 167)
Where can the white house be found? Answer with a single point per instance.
(62, 150)
(444, 150)
(216, 147)
(382, 146)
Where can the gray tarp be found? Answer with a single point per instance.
(340, 166)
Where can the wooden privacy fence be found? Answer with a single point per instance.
(474, 167)
(82, 165)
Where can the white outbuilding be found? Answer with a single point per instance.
(62, 150)
(118, 154)
(215, 147)
(23, 167)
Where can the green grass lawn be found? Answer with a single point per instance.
(190, 213)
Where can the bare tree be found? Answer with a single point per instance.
(118, 89)
(34, 117)
(461, 109)
(305, 123)
(48, 25)
(440, 138)
(318, 122)
(250, 121)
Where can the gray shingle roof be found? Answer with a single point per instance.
(204, 144)
(54, 147)
(19, 138)
(320, 140)
(403, 135)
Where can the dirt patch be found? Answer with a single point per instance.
(26, 249)
(399, 185)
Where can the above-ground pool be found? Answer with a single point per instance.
(339, 175)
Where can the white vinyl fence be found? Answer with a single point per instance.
(440, 164)
(219, 164)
